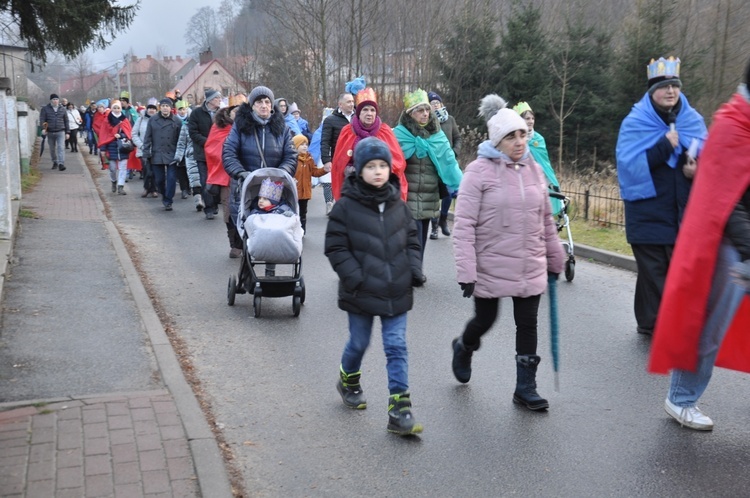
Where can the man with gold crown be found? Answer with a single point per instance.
(657, 151)
(429, 160)
(364, 123)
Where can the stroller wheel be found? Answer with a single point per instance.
(570, 269)
(257, 293)
(256, 306)
(231, 290)
(302, 290)
(296, 305)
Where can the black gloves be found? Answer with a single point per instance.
(552, 277)
(467, 288)
(242, 175)
(418, 281)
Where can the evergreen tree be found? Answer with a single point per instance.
(524, 59)
(67, 26)
(466, 66)
(645, 40)
(580, 96)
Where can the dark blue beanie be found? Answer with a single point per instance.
(433, 96)
(368, 149)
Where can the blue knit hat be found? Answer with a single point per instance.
(368, 149)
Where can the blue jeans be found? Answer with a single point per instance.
(56, 140)
(394, 344)
(687, 387)
(165, 189)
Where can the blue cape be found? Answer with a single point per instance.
(640, 131)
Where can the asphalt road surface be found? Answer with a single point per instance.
(271, 380)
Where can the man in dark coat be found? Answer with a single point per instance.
(54, 121)
(332, 127)
(159, 146)
(199, 124)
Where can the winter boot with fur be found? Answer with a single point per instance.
(526, 394)
(462, 360)
(350, 390)
(400, 419)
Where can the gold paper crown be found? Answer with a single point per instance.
(124, 94)
(366, 95)
(669, 68)
(417, 97)
(181, 104)
(237, 100)
(522, 107)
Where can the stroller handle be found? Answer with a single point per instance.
(557, 195)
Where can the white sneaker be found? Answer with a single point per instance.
(689, 416)
(329, 206)
(198, 201)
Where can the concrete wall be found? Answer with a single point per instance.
(17, 137)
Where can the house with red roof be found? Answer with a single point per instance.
(208, 73)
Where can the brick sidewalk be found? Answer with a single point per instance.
(119, 445)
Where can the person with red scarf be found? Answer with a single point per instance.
(114, 127)
(704, 318)
(365, 123)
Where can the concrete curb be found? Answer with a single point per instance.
(213, 479)
(607, 257)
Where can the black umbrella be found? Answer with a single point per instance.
(44, 138)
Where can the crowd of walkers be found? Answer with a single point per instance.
(389, 190)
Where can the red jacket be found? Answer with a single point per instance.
(722, 177)
(213, 147)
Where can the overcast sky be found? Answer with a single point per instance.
(157, 23)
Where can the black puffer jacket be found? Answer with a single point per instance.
(738, 226)
(199, 124)
(56, 118)
(332, 127)
(376, 256)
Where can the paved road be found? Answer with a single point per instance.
(271, 383)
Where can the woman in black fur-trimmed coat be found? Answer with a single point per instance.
(258, 133)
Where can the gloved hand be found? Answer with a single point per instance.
(552, 277)
(242, 175)
(467, 288)
(418, 280)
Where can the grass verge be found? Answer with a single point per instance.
(591, 234)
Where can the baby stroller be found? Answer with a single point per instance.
(563, 222)
(269, 239)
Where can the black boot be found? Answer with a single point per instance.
(400, 419)
(526, 394)
(350, 390)
(433, 233)
(443, 222)
(462, 360)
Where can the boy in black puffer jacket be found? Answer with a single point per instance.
(372, 244)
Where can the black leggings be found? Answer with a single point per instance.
(525, 311)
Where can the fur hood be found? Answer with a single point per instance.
(432, 127)
(247, 125)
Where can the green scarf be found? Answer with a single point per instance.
(437, 147)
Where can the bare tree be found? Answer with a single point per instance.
(202, 30)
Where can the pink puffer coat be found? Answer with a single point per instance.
(504, 238)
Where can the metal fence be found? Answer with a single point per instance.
(596, 203)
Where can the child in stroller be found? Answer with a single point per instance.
(270, 228)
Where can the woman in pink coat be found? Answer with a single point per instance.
(506, 245)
